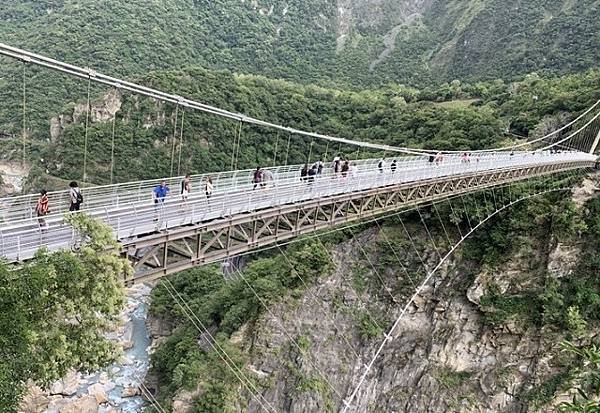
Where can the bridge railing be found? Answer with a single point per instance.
(22, 239)
(23, 207)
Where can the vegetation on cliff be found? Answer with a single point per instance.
(55, 311)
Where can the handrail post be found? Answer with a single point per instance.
(595, 144)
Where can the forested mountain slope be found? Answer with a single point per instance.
(360, 43)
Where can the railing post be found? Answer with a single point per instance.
(595, 144)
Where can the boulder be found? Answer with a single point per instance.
(68, 385)
(130, 391)
(99, 392)
(86, 404)
(57, 403)
(159, 327)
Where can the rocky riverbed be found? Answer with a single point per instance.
(115, 388)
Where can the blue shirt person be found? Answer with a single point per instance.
(160, 192)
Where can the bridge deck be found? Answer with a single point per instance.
(233, 194)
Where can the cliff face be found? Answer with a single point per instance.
(445, 354)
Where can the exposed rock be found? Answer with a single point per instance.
(57, 125)
(159, 327)
(35, 400)
(127, 337)
(184, 401)
(585, 191)
(441, 358)
(12, 176)
(102, 111)
(130, 391)
(483, 280)
(103, 378)
(57, 403)
(86, 404)
(99, 392)
(563, 259)
(68, 385)
(108, 409)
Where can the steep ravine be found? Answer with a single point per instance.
(443, 357)
(452, 351)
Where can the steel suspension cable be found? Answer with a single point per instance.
(456, 217)
(287, 151)
(174, 139)
(237, 154)
(387, 240)
(214, 344)
(390, 335)
(107, 80)
(288, 335)
(180, 142)
(148, 394)
(429, 233)
(358, 297)
(466, 212)
(383, 284)
(112, 149)
(315, 298)
(24, 130)
(413, 243)
(85, 139)
(275, 152)
(442, 222)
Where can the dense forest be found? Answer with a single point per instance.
(451, 116)
(337, 43)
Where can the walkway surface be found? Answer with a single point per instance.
(128, 208)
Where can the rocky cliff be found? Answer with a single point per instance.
(449, 352)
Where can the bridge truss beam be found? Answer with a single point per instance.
(159, 255)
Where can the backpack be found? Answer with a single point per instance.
(79, 197)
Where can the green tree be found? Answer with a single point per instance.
(56, 309)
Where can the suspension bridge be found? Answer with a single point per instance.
(240, 215)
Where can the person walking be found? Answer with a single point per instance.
(208, 187)
(353, 170)
(267, 176)
(304, 173)
(393, 166)
(42, 208)
(312, 172)
(75, 197)
(159, 194)
(345, 169)
(319, 168)
(186, 187)
(256, 177)
(336, 166)
(381, 165)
